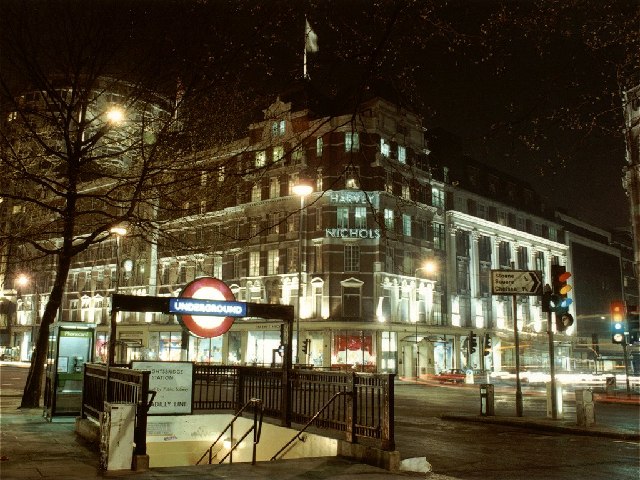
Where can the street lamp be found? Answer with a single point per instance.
(22, 281)
(430, 268)
(301, 190)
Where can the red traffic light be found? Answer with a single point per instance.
(617, 310)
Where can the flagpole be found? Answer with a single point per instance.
(304, 50)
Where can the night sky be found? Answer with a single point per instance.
(529, 87)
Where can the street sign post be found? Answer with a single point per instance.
(516, 282)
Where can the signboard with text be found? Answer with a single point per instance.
(516, 282)
(173, 382)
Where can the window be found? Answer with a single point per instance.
(297, 154)
(319, 145)
(256, 193)
(406, 224)
(351, 142)
(540, 263)
(462, 243)
(261, 159)
(502, 217)
(217, 266)
(221, 174)
(437, 197)
(464, 279)
(553, 234)
(388, 184)
(351, 176)
(273, 260)
(406, 192)
(361, 217)
(351, 258)
(236, 265)
(520, 224)
(481, 211)
(523, 258)
(402, 154)
(384, 147)
(351, 301)
(254, 264)
(484, 249)
(389, 259)
(274, 188)
(292, 259)
(319, 186)
(278, 153)
(388, 218)
(203, 179)
(439, 239)
(342, 217)
(278, 128)
(170, 348)
(504, 252)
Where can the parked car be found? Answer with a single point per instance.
(453, 375)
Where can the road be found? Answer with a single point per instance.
(469, 450)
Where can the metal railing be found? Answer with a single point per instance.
(292, 397)
(306, 425)
(368, 413)
(256, 428)
(124, 386)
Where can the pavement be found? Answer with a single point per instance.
(33, 448)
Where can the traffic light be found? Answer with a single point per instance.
(487, 344)
(473, 342)
(617, 321)
(305, 346)
(559, 301)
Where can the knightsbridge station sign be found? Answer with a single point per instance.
(352, 233)
(207, 307)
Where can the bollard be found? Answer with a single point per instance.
(585, 410)
(486, 400)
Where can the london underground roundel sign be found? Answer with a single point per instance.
(207, 288)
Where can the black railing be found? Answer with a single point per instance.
(292, 397)
(125, 386)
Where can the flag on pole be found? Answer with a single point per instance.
(310, 38)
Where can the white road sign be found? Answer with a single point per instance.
(516, 282)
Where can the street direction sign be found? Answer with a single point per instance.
(516, 282)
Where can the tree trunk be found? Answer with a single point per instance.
(33, 388)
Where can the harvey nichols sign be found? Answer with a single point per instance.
(352, 233)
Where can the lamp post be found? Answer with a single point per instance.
(22, 281)
(119, 232)
(301, 190)
(429, 267)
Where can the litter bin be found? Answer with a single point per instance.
(486, 400)
(585, 410)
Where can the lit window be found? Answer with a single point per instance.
(438, 236)
(406, 192)
(388, 218)
(406, 224)
(274, 188)
(437, 197)
(553, 234)
(384, 147)
(342, 219)
(278, 153)
(319, 146)
(256, 193)
(351, 176)
(402, 154)
(278, 128)
(361, 217)
(221, 174)
(273, 262)
(254, 264)
(203, 178)
(297, 154)
(261, 159)
(351, 142)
